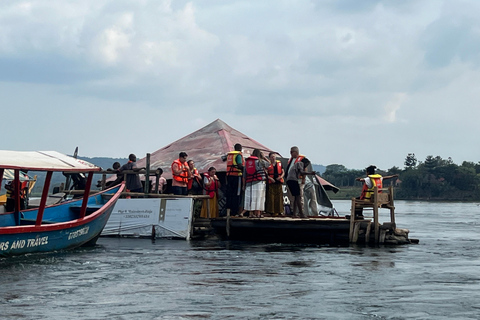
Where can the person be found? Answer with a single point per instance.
(194, 185)
(234, 190)
(211, 185)
(162, 182)
(372, 180)
(133, 183)
(274, 202)
(296, 173)
(10, 188)
(119, 179)
(180, 174)
(255, 182)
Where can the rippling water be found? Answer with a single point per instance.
(139, 279)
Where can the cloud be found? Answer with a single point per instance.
(393, 106)
(286, 73)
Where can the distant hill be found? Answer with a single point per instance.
(104, 162)
(58, 178)
(319, 168)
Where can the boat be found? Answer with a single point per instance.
(62, 226)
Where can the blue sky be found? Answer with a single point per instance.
(349, 82)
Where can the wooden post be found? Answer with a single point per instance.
(391, 206)
(356, 231)
(367, 232)
(153, 232)
(103, 183)
(227, 225)
(375, 214)
(147, 175)
(208, 208)
(352, 219)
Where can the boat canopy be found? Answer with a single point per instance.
(43, 161)
(10, 175)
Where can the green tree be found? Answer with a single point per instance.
(410, 161)
(430, 163)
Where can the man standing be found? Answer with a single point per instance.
(296, 172)
(235, 164)
(180, 175)
(133, 182)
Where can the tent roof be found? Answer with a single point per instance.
(205, 147)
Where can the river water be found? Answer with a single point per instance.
(439, 278)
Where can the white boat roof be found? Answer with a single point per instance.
(43, 161)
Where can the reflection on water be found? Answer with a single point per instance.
(166, 279)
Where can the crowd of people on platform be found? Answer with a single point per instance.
(254, 185)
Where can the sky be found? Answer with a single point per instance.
(349, 82)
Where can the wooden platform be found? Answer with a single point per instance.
(284, 229)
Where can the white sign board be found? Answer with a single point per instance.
(137, 217)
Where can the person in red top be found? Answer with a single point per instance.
(211, 186)
(255, 182)
(180, 175)
(274, 201)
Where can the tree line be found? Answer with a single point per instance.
(433, 179)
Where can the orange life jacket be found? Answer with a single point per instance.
(211, 190)
(376, 182)
(271, 171)
(232, 165)
(251, 172)
(183, 176)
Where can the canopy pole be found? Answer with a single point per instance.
(43, 201)
(88, 185)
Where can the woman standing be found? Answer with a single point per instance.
(274, 203)
(211, 185)
(255, 176)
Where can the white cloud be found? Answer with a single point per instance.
(315, 74)
(393, 106)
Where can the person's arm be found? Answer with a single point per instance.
(215, 178)
(282, 175)
(238, 160)
(392, 176)
(270, 178)
(207, 181)
(176, 169)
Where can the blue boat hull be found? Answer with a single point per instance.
(58, 231)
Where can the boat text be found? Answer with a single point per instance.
(20, 244)
(78, 233)
(136, 214)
